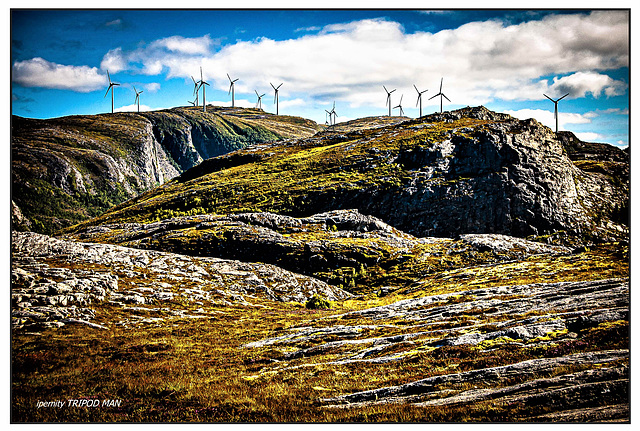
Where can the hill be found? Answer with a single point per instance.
(65, 170)
(462, 172)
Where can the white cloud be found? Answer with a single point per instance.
(114, 61)
(183, 45)
(152, 87)
(480, 61)
(589, 136)
(38, 72)
(546, 117)
(133, 108)
(580, 84)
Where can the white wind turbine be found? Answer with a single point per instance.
(441, 94)
(419, 98)
(334, 113)
(555, 110)
(232, 90)
(259, 102)
(276, 99)
(202, 84)
(137, 100)
(389, 98)
(111, 85)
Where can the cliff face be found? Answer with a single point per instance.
(470, 171)
(65, 170)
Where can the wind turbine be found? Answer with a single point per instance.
(137, 97)
(419, 98)
(259, 102)
(196, 88)
(555, 104)
(400, 106)
(441, 95)
(389, 98)
(334, 113)
(232, 90)
(111, 85)
(276, 99)
(328, 123)
(202, 84)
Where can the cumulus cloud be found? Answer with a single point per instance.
(580, 84)
(546, 117)
(133, 108)
(183, 45)
(39, 72)
(480, 61)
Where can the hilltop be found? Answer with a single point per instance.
(470, 171)
(65, 170)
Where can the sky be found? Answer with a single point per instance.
(506, 60)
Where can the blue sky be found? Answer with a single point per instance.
(502, 59)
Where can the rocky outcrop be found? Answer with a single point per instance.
(57, 282)
(339, 246)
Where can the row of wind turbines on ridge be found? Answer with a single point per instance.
(331, 114)
(419, 101)
(442, 95)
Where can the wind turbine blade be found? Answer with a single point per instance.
(441, 79)
(108, 77)
(385, 89)
(446, 97)
(229, 77)
(392, 91)
(272, 86)
(414, 86)
(434, 96)
(280, 85)
(105, 94)
(563, 97)
(548, 98)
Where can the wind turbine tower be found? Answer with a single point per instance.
(259, 102)
(419, 98)
(276, 99)
(555, 110)
(232, 90)
(441, 94)
(400, 106)
(111, 85)
(389, 98)
(202, 84)
(137, 97)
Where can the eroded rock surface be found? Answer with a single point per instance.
(57, 282)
